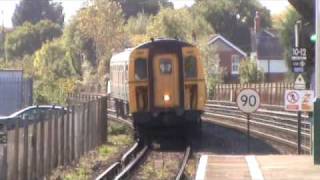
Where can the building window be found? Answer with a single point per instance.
(235, 59)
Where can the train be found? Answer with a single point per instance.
(160, 83)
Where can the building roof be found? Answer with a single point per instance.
(266, 44)
(216, 37)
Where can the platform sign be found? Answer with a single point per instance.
(298, 59)
(248, 100)
(299, 100)
(300, 83)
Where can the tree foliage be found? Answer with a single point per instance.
(180, 24)
(34, 11)
(53, 72)
(133, 7)
(249, 72)
(26, 39)
(233, 18)
(94, 34)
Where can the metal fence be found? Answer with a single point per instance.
(31, 149)
(15, 93)
(270, 93)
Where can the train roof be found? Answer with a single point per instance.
(124, 56)
(163, 41)
(121, 57)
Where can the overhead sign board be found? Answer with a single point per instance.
(248, 100)
(300, 83)
(299, 100)
(298, 59)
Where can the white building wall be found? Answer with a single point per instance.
(276, 66)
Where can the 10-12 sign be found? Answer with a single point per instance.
(248, 100)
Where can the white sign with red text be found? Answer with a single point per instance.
(299, 100)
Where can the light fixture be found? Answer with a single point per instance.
(166, 97)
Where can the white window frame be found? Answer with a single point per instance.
(235, 64)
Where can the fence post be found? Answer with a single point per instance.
(62, 134)
(15, 172)
(68, 135)
(41, 153)
(88, 134)
(4, 139)
(55, 142)
(49, 140)
(82, 129)
(73, 133)
(104, 121)
(25, 149)
(34, 150)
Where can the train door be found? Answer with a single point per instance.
(166, 80)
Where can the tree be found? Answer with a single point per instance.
(133, 7)
(233, 18)
(34, 11)
(249, 72)
(26, 39)
(181, 24)
(93, 35)
(53, 72)
(136, 28)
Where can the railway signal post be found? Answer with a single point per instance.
(248, 101)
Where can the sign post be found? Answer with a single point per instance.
(248, 101)
(316, 113)
(299, 101)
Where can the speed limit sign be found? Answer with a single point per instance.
(248, 100)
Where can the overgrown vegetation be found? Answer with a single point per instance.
(249, 72)
(119, 138)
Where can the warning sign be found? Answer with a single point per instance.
(299, 100)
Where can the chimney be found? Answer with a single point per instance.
(257, 22)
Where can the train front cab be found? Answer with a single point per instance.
(169, 100)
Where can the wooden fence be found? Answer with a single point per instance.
(270, 93)
(31, 149)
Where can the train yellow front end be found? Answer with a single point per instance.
(166, 84)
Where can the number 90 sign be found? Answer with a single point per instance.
(248, 100)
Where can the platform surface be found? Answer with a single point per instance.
(264, 167)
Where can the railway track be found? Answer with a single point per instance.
(122, 168)
(273, 125)
(187, 154)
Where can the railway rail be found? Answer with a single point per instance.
(184, 162)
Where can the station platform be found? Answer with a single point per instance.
(260, 167)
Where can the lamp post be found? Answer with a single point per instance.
(316, 113)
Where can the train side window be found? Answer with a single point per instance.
(165, 66)
(190, 67)
(141, 69)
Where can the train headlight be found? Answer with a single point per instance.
(166, 97)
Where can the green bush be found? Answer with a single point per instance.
(249, 72)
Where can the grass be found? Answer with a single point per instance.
(119, 136)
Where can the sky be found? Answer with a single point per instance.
(71, 6)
